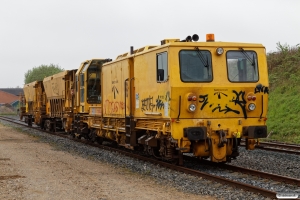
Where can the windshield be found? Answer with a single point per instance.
(242, 66)
(93, 83)
(195, 65)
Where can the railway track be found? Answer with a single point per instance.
(265, 175)
(237, 184)
(278, 147)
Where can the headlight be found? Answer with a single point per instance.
(192, 107)
(220, 50)
(251, 106)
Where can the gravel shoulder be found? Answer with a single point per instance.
(30, 169)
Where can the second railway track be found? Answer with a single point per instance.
(278, 147)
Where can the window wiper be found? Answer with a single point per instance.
(248, 57)
(201, 57)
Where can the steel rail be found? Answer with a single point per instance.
(278, 147)
(283, 145)
(252, 172)
(278, 150)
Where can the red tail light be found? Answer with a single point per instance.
(253, 98)
(192, 98)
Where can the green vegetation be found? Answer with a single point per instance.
(284, 99)
(40, 72)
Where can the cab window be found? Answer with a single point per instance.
(195, 65)
(242, 66)
(93, 83)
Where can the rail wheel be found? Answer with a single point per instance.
(72, 134)
(78, 136)
(47, 125)
(92, 135)
(99, 140)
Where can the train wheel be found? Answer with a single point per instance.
(78, 136)
(47, 125)
(71, 134)
(180, 158)
(228, 159)
(99, 140)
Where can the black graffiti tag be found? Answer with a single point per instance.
(204, 100)
(260, 88)
(227, 109)
(219, 94)
(159, 104)
(239, 100)
(115, 90)
(147, 104)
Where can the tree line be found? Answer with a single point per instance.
(40, 72)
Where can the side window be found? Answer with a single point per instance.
(162, 67)
(76, 83)
(81, 80)
(81, 87)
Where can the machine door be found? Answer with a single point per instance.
(82, 86)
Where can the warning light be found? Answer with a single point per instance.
(210, 37)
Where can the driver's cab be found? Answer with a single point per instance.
(88, 84)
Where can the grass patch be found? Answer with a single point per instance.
(284, 98)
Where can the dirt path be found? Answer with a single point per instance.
(34, 170)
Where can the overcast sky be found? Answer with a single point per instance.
(68, 32)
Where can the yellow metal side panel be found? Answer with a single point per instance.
(29, 91)
(55, 85)
(263, 71)
(113, 90)
(69, 79)
(152, 98)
